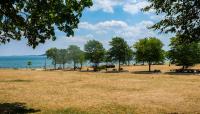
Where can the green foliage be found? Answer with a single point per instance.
(63, 57)
(129, 55)
(53, 54)
(181, 16)
(74, 53)
(82, 58)
(140, 50)
(184, 54)
(149, 50)
(37, 19)
(118, 50)
(107, 57)
(94, 52)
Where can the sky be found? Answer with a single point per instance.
(103, 21)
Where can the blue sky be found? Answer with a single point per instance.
(103, 21)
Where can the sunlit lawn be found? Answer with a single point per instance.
(98, 93)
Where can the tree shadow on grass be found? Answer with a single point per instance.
(88, 71)
(146, 72)
(180, 74)
(17, 80)
(16, 108)
(122, 71)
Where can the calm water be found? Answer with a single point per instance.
(21, 61)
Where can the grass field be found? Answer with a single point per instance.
(68, 92)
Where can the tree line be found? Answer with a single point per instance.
(148, 50)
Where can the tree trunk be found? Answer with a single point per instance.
(60, 67)
(128, 62)
(149, 66)
(63, 65)
(74, 66)
(183, 67)
(81, 66)
(119, 66)
(54, 65)
(106, 66)
(95, 67)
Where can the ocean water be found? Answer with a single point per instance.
(21, 61)
(37, 62)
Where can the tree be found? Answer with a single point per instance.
(129, 55)
(53, 54)
(94, 52)
(184, 54)
(74, 54)
(181, 16)
(82, 58)
(140, 50)
(118, 50)
(36, 20)
(107, 58)
(63, 57)
(151, 51)
(29, 63)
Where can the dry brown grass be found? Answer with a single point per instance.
(101, 93)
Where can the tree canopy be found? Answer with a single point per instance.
(95, 52)
(53, 54)
(74, 53)
(181, 17)
(118, 50)
(184, 54)
(82, 58)
(129, 55)
(36, 20)
(149, 50)
(63, 57)
(140, 50)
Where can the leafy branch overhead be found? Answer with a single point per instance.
(181, 17)
(36, 20)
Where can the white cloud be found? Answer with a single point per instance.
(134, 8)
(118, 28)
(105, 5)
(129, 6)
(102, 25)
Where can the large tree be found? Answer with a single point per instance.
(63, 57)
(118, 50)
(107, 59)
(74, 54)
(140, 50)
(82, 58)
(53, 54)
(180, 16)
(129, 55)
(184, 54)
(95, 52)
(36, 20)
(149, 50)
